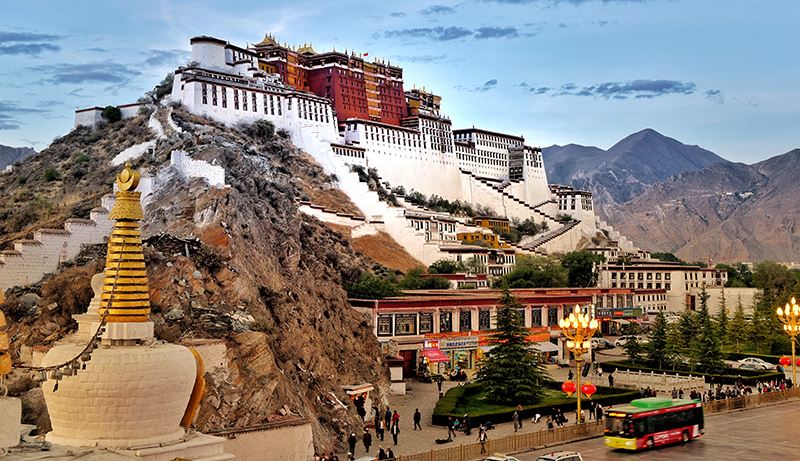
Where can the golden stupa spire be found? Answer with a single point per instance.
(125, 296)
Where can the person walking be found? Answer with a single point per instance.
(549, 423)
(387, 417)
(351, 442)
(519, 415)
(598, 412)
(515, 419)
(611, 379)
(395, 417)
(450, 431)
(439, 381)
(390, 454)
(482, 438)
(380, 429)
(395, 432)
(367, 439)
(417, 419)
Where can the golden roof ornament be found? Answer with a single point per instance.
(125, 296)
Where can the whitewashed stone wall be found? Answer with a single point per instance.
(287, 443)
(190, 168)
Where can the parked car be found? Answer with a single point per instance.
(622, 340)
(561, 456)
(757, 364)
(500, 457)
(601, 343)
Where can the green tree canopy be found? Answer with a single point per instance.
(413, 280)
(580, 266)
(111, 114)
(633, 347)
(370, 286)
(657, 348)
(535, 272)
(446, 266)
(707, 342)
(512, 372)
(738, 327)
(722, 319)
(668, 257)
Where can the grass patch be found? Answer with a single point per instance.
(471, 399)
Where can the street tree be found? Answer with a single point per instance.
(582, 267)
(722, 319)
(738, 327)
(657, 348)
(633, 347)
(512, 372)
(673, 352)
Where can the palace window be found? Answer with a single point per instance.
(552, 316)
(465, 320)
(384, 325)
(425, 322)
(244, 100)
(205, 93)
(405, 324)
(214, 95)
(536, 316)
(484, 319)
(236, 99)
(254, 102)
(264, 101)
(224, 97)
(445, 321)
(279, 105)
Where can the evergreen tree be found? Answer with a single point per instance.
(674, 346)
(722, 319)
(761, 328)
(657, 348)
(511, 372)
(688, 329)
(706, 343)
(633, 348)
(738, 328)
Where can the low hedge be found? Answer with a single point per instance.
(730, 376)
(455, 397)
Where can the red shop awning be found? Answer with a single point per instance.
(435, 355)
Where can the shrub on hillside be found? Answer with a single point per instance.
(263, 130)
(112, 114)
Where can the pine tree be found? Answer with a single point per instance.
(633, 348)
(737, 327)
(688, 329)
(657, 348)
(511, 372)
(709, 354)
(722, 319)
(675, 346)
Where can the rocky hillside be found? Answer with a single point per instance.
(65, 180)
(626, 169)
(238, 263)
(727, 211)
(10, 155)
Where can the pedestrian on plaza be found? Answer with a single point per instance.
(395, 417)
(599, 371)
(367, 439)
(390, 454)
(611, 379)
(519, 410)
(380, 429)
(417, 419)
(466, 424)
(570, 375)
(482, 438)
(351, 442)
(680, 394)
(395, 430)
(515, 419)
(439, 381)
(598, 412)
(387, 417)
(451, 432)
(549, 423)
(381, 453)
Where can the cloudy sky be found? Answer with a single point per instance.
(723, 74)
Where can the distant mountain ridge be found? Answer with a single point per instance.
(10, 155)
(627, 168)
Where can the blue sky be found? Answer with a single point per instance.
(719, 73)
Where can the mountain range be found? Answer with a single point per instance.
(10, 155)
(669, 196)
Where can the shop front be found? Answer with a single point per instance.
(614, 320)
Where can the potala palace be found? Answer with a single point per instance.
(346, 112)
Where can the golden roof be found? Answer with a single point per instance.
(125, 296)
(269, 39)
(306, 49)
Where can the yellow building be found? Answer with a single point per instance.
(480, 238)
(497, 225)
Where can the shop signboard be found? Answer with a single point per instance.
(618, 312)
(467, 342)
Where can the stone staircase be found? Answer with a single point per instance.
(534, 209)
(541, 242)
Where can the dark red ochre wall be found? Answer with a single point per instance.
(343, 88)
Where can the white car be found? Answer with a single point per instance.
(601, 343)
(755, 364)
(622, 340)
(500, 457)
(561, 456)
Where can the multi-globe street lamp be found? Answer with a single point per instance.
(790, 317)
(578, 328)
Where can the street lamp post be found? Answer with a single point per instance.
(578, 328)
(790, 317)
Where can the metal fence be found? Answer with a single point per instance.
(509, 444)
(532, 440)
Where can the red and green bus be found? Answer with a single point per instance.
(652, 422)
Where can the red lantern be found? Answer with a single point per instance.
(589, 389)
(568, 387)
(785, 361)
(798, 362)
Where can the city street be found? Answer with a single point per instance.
(762, 433)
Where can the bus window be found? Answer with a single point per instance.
(698, 417)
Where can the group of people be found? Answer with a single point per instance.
(352, 441)
(717, 392)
